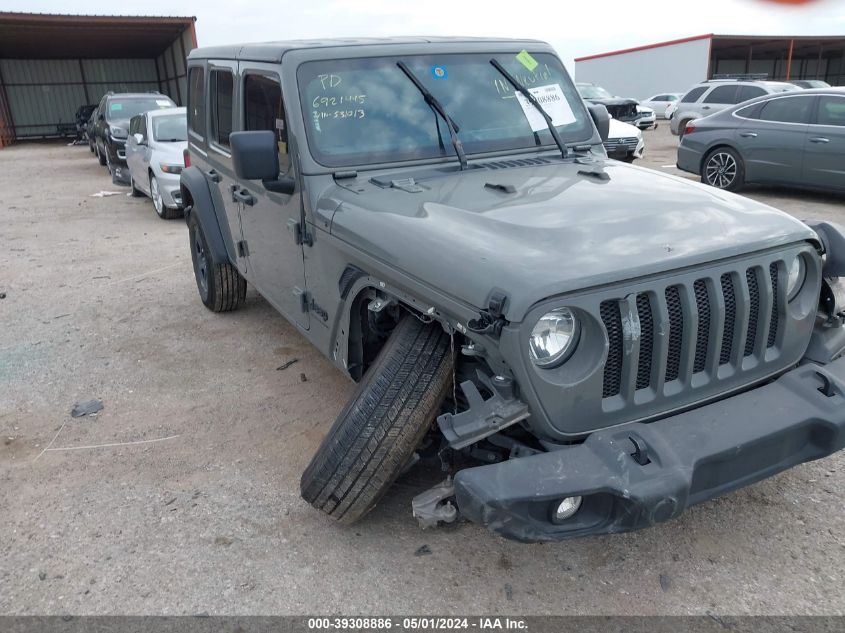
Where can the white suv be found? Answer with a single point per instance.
(714, 95)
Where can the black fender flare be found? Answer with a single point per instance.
(195, 189)
(832, 237)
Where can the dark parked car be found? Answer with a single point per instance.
(620, 108)
(795, 139)
(111, 127)
(83, 115)
(601, 346)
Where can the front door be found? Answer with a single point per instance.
(772, 143)
(270, 222)
(824, 151)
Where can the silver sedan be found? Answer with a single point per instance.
(794, 139)
(154, 154)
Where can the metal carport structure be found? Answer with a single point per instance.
(52, 64)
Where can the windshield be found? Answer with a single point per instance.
(589, 91)
(366, 110)
(170, 128)
(121, 109)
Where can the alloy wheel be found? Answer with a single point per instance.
(156, 196)
(721, 170)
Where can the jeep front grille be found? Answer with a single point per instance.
(657, 338)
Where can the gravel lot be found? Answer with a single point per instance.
(204, 516)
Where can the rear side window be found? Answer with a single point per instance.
(722, 94)
(749, 92)
(221, 88)
(196, 101)
(787, 110)
(264, 110)
(832, 111)
(693, 94)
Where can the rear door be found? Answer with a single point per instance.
(824, 149)
(772, 143)
(270, 222)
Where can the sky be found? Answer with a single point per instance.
(573, 28)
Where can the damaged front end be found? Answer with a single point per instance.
(695, 385)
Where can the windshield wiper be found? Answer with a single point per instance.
(564, 152)
(432, 101)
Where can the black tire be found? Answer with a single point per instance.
(100, 156)
(723, 168)
(163, 211)
(384, 421)
(221, 287)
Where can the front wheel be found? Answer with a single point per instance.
(163, 211)
(723, 168)
(220, 285)
(386, 418)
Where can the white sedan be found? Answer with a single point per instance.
(660, 102)
(154, 154)
(624, 142)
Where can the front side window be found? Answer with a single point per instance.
(170, 128)
(722, 94)
(693, 95)
(222, 88)
(123, 108)
(787, 110)
(196, 101)
(366, 110)
(831, 111)
(264, 110)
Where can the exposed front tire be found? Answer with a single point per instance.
(384, 421)
(100, 157)
(723, 168)
(220, 285)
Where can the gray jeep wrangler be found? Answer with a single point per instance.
(600, 345)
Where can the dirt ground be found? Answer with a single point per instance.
(181, 495)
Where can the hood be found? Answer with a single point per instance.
(619, 107)
(620, 129)
(562, 230)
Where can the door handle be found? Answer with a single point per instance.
(705, 107)
(748, 134)
(819, 139)
(242, 195)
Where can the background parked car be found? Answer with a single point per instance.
(111, 127)
(620, 108)
(660, 102)
(154, 154)
(715, 95)
(83, 115)
(647, 118)
(624, 141)
(670, 110)
(795, 139)
(808, 84)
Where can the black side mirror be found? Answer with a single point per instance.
(601, 118)
(255, 156)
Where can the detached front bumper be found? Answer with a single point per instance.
(685, 459)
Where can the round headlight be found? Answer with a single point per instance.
(795, 277)
(554, 337)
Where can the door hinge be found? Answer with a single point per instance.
(243, 249)
(300, 236)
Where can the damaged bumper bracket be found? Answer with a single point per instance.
(484, 417)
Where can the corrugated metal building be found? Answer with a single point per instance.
(676, 65)
(50, 65)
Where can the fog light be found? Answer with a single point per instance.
(567, 508)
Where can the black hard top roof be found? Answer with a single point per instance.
(273, 51)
